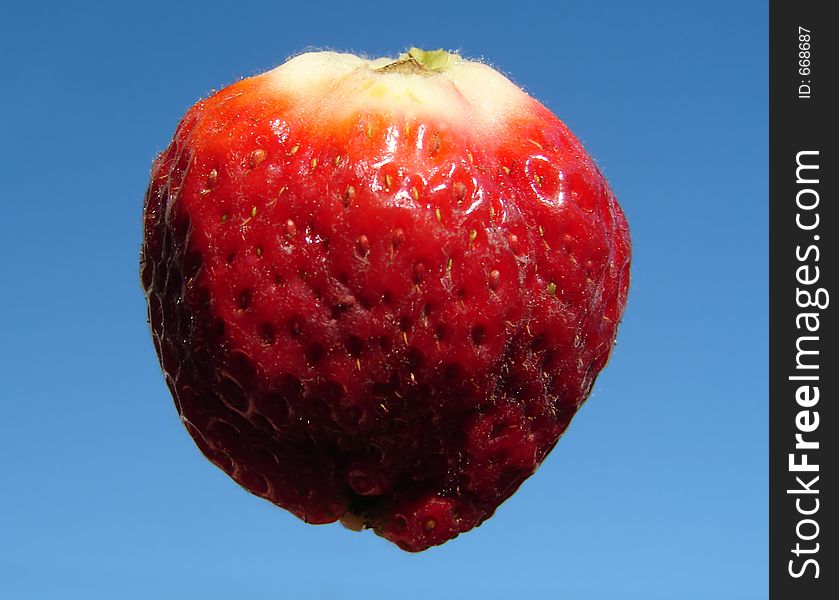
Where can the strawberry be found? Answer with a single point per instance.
(380, 290)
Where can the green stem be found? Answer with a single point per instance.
(420, 62)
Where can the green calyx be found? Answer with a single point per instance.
(420, 62)
(433, 60)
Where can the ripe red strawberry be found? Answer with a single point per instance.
(380, 290)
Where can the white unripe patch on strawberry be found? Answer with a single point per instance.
(437, 83)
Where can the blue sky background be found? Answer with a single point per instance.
(658, 490)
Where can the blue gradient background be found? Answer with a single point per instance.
(658, 490)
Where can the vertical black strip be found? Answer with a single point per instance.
(804, 226)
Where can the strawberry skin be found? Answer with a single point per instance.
(379, 292)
